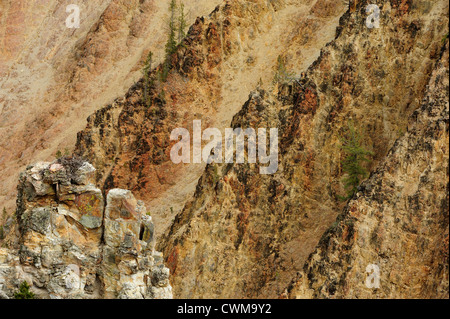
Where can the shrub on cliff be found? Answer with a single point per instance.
(171, 44)
(24, 292)
(355, 156)
(182, 24)
(282, 75)
(176, 33)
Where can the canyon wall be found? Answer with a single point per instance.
(398, 220)
(52, 77)
(247, 235)
(224, 56)
(225, 230)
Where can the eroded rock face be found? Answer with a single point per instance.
(53, 77)
(73, 244)
(224, 57)
(397, 225)
(247, 235)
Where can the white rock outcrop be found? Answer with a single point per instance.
(73, 244)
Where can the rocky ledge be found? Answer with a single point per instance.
(74, 244)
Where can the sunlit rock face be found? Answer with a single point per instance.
(53, 77)
(225, 230)
(391, 241)
(248, 235)
(74, 244)
(224, 56)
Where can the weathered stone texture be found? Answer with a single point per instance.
(398, 220)
(73, 246)
(247, 235)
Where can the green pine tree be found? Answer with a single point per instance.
(182, 24)
(171, 44)
(282, 75)
(352, 165)
(24, 292)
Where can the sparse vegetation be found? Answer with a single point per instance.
(171, 44)
(444, 39)
(282, 75)
(176, 34)
(2, 230)
(182, 24)
(71, 164)
(162, 97)
(260, 83)
(355, 156)
(148, 81)
(24, 292)
(216, 176)
(60, 154)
